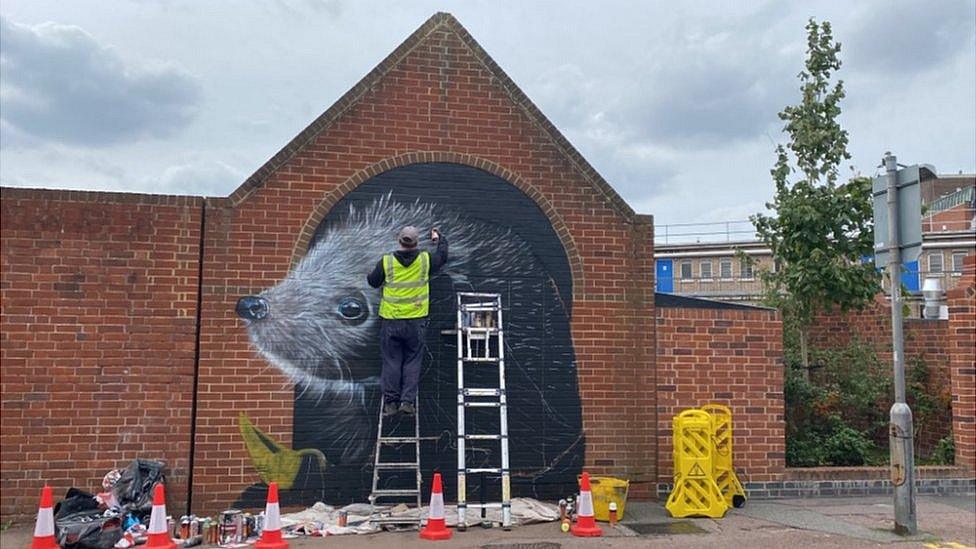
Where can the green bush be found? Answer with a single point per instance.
(839, 416)
(945, 451)
(847, 446)
(835, 417)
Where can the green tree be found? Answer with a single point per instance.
(819, 229)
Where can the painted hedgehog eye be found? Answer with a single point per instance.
(351, 308)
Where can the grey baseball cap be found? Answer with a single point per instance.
(409, 236)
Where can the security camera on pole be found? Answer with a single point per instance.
(897, 238)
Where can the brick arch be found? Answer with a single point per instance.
(363, 175)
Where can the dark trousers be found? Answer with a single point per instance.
(402, 347)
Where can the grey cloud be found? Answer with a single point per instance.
(710, 101)
(61, 85)
(895, 37)
(301, 8)
(201, 178)
(724, 82)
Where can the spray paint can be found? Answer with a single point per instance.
(213, 533)
(343, 518)
(184, 527)
(613, 513)
(562, 509)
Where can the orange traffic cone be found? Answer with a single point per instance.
(159, 537)
(271, 535)
(436, 529)
(585, 526)
(44, 529)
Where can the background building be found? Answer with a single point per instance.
(704, 259)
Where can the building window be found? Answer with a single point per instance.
(686, 270)
(935, 263)
(725, 269)
(706, 270)
(745, 270)
(957, 258)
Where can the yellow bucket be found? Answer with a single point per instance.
(605, 490)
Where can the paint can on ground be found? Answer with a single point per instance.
(231, 527)
(343, 518)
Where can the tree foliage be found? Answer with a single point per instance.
(819, 229)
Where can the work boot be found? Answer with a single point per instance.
(407, 408)
(389, 409)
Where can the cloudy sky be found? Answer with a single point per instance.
(674, 103)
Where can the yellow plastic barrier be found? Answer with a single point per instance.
(695, 492)
(728, 483)
(605, 490)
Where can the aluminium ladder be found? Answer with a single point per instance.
(479, 332)
(379, 514)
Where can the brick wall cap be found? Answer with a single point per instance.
(100, 197)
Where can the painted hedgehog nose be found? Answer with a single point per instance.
(252, 307)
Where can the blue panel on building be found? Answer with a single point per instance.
(665, 275)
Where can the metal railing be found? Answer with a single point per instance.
(718, 231)
(738, 288)
(743, 231)
(948, 201)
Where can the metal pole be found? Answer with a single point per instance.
(901, 445)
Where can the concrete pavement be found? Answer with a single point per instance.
(944, 521)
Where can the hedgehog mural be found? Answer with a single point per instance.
(319, 326)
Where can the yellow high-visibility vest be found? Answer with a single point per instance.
(406, 291)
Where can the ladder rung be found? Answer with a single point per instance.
(481, 329)
(475, 304)
(483, 404)
(482, 437)
(474, 470)
(482, 392)
(398, 440)
(405, 465)
(480, 359)
(395, 520)
(486, 505)
(395, 493)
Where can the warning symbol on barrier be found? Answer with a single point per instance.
(696, 471)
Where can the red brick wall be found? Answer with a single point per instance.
(962, 341)
(437, 99)
(98, 297)
(926, 340)
(957, 218)
(730, 357)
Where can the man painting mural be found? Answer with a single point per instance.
(405, 277)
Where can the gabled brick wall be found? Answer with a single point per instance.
(98, 294)
(438, 98)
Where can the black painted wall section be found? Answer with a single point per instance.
(500, 242)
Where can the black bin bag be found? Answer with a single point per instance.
(80, 524)
(134, 489)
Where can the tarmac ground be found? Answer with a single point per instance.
(945, 522)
